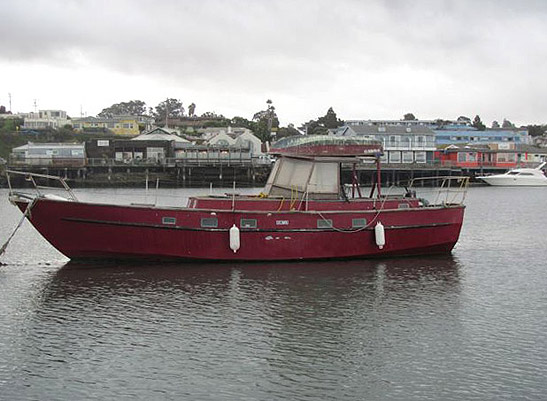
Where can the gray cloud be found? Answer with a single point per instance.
(487, 51)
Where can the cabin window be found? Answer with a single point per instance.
(403, 206)
(324, 223)
(169, 220)
(248, 223)
(358, 223)
(209, 222)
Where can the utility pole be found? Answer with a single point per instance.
(9, 96)
(167, 113)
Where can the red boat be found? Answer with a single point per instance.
(302, 213)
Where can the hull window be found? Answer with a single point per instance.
(209, 222)
(358, 223)
(169, 220)
(324, 223)
(248, 223)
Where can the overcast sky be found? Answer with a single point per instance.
(366, 59)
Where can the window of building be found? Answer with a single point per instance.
(462, 157)
(408, 157)
(420, 157)
(394, 157)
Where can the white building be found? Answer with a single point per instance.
(44, 119)
(49, 154)
(401, 144)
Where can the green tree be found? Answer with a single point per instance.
(287, 131)
(266, 120)
(130, 108)
(477, 123)
(507, 124)
(409, 117)
(169, 108)
(536, 130)
(330, 120)
(243, 123)
(495, 124)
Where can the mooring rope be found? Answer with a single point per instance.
(25, 215)
(341, 230)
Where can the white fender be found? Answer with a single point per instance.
(380, 235)
(234, 238)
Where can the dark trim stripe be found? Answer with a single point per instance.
(170, 227)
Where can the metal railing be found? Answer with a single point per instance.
(442, 190)
(41, 182)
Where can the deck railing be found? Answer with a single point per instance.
(42, 182)
(443, 190)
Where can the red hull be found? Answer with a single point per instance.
(86, 230)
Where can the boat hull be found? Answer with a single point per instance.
(96, 231)
(504, 180)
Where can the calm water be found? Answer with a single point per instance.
(468, 326)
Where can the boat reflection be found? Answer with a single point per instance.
(335, 279)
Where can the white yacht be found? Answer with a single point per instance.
(528, 177)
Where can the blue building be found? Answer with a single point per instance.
(463, 134)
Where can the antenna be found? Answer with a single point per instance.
(9, 95)
(35, 105)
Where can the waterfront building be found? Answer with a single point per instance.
(45, 119)
(407, 123)
(401, 143)
(503, 155)
(458, 134)
(49, 154)
(123, 125)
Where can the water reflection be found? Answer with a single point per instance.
(322, 325)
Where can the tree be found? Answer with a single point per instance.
(409, 117)
(243, 123)
(464, 120)
(330, 120)
(265, 120)
(287, 131)
(169, 108)
(495, 124)
(536, 130)
(507, 124)
(130, 108)
(477, 123)
(191, 110)
(313, 127)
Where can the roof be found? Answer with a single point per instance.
(388, 130)
(49, 145)
(160, 134)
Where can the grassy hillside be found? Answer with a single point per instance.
(9, 141)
